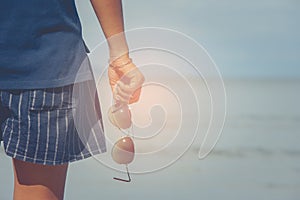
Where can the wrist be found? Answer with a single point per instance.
(119, 58)
(120, 61)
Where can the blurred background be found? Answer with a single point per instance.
(256, 45)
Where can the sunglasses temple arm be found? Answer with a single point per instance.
(128, 173)
(129, 179)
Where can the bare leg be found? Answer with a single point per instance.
(36, 182)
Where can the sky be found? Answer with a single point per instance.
(246, 39)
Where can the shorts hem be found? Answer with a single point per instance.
(51, 162)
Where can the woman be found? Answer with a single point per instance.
(41, 52)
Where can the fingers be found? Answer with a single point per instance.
(128, 92)
(126, 82)
(120, 95)
(136, 96)
(132, 79)
(113, 77)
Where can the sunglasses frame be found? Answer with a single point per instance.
(114, 123)
(124, 180)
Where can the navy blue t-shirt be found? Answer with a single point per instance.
(41, 44)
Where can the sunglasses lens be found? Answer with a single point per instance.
(120, 116)
(123, 151)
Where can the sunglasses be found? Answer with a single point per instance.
(123, 150)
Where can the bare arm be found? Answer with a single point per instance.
(110, 16)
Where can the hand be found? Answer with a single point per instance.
(125, 80)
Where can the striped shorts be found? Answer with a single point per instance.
(52, 126)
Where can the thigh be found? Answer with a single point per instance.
(35, 181)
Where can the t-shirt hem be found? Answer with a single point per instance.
(38, 84)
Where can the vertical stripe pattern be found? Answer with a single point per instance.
(38, 126)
